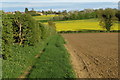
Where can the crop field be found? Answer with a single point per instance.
(93, 55)
(44, 18)
(75, 25)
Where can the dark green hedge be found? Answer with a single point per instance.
(22, 29)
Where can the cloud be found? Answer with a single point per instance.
(60, 0)
(13, 6)
(29, 4)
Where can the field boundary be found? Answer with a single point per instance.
(90, 31)
(54, 62)
(78, 65)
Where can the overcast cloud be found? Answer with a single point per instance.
(59, 0)
(14, 5)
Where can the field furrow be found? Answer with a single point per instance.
(98, 53)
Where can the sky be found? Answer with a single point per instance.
(59, 0)
(15, 5)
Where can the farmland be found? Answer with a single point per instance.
(43, 18)
(94, 55)
(75, 25)
(35, 46)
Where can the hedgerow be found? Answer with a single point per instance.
(22, 40)
(22, 29)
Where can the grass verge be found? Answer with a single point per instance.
(54, 61)
(21, 58)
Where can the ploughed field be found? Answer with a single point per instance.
(93, 55)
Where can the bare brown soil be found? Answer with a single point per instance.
(93, 55)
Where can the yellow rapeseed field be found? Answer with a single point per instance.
(44, 17)
(75, 25)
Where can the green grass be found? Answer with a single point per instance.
(21, 58)
(0, 68)
(54, 61)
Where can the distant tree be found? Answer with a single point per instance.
(107, 18)
(59, 12)
(64, 12)
(26, 10)
(32, 9)
(46, 13)
(118, 15)
(43, 11)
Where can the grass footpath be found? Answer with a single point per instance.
(21, 58)
(54, 61)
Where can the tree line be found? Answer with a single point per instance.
(31, 12)
(76, 15)
(106, 16)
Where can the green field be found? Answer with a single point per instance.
(76, 25)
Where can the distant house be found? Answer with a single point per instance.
(8, 12)
(40, 13)
(23, 12)
(88, 10)
(51, 14)
(13, 12)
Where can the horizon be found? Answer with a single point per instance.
(55, 6)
